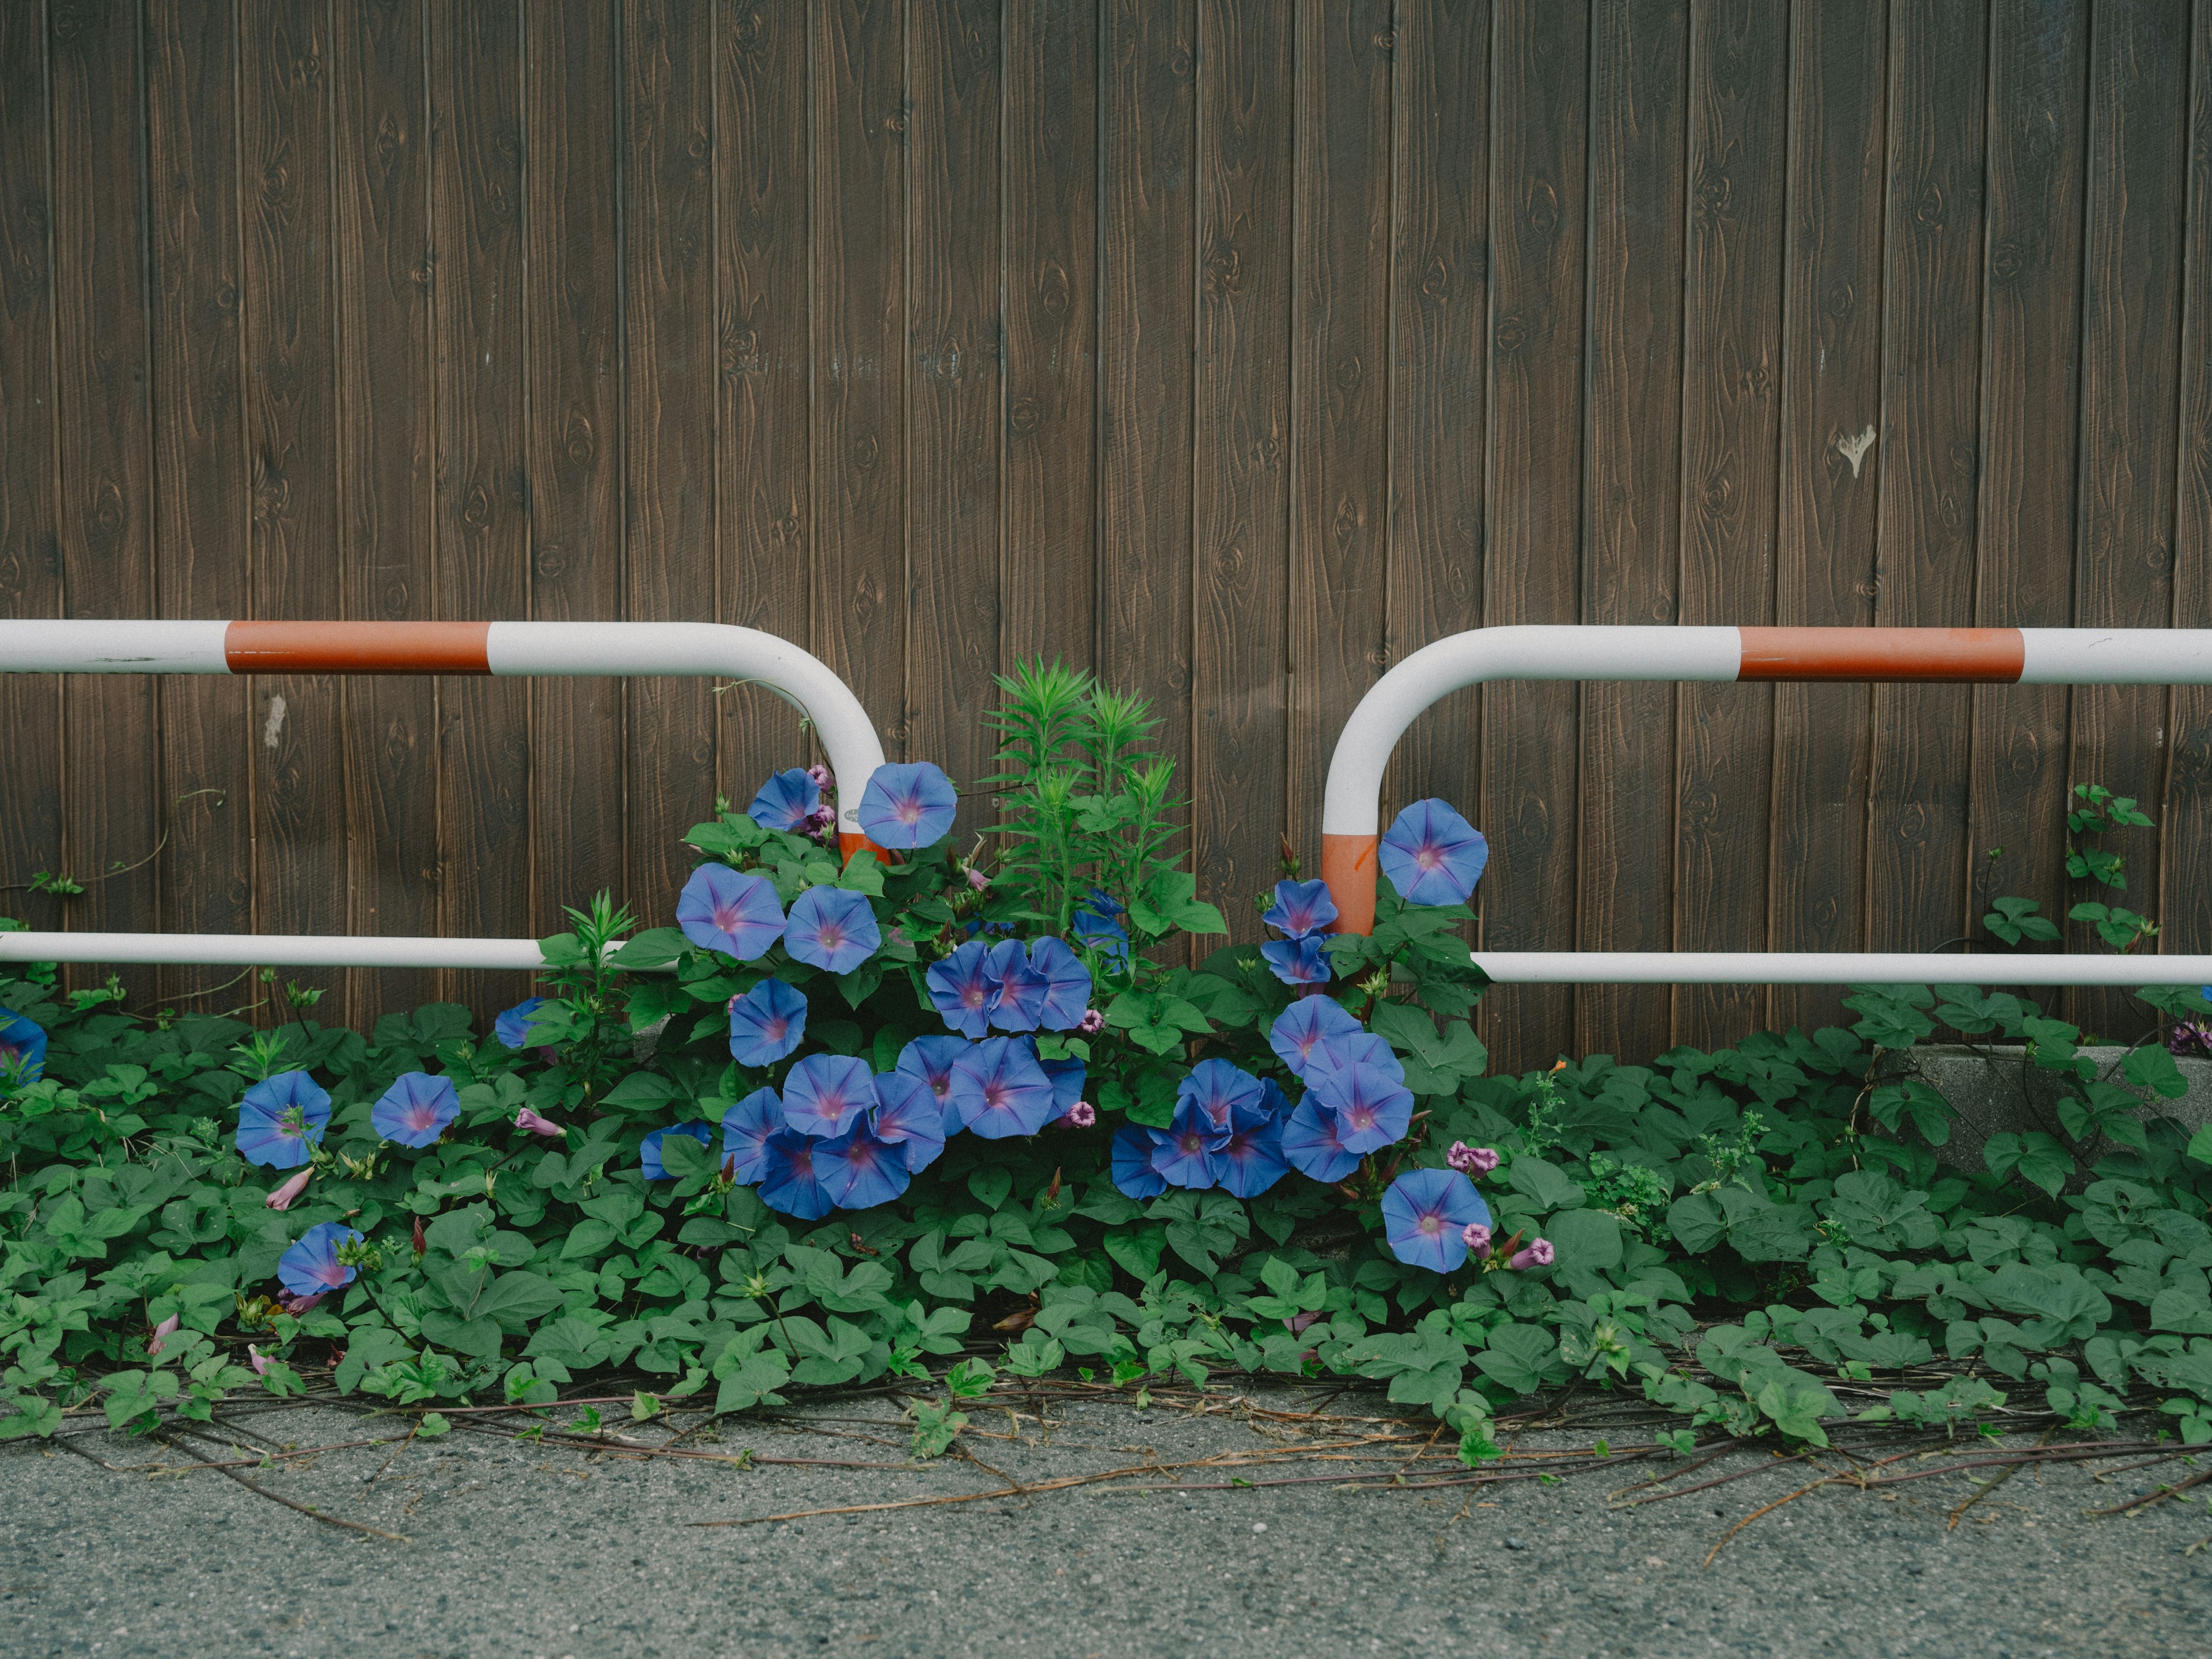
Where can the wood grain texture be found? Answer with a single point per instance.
(2130, 353)
(110, 725)
(2186, 823)
(2030, 395)
(1731, 430)
(1832, 466)
(1339, 570)
(954, 384)
(1540, 86)
(1239, 738)
(572, 318)
(30, 837)
(482, 518)
(1632, 504)
(1052, 424)
(386, 442)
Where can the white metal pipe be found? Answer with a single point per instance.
(272, 950)
(1832, 968)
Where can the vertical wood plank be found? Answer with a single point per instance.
(572, 313)
(386, 407)
(1731, 426)
(1631, 506)
(1542, 88)
(1832, 463)
(1051, 215)
(482, 517)
(1339, 369)
(954, 381)
(1239, 739)
(1931, 351)
(204, 504)
(2031, 334)
(30, 544)
(2130, 347)
(1147, 162)
(2185, 824)
(298, 720)
(861, 195)
(764, 221)
(111, 726)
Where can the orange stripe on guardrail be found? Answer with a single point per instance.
(1980, 655)
(357, 647)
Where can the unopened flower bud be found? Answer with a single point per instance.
(1536, 1254)
(1083, 1115)
(526, 1119)
(1471, 1160)
(821, 776)
(258, 1359)
(977, 879)
(282, 1198)
(1478, 1240)
(162, 1332)
(1092, 1023)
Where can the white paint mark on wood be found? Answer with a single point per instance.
(275, 728)
(1854, 449)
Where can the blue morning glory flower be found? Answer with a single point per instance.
(860, 1171)
(909, 1114)
(960, 987)
(1067, 1079)
(929, 1060)
(1251, 1160)
(832, 928)
(416, 1109)
(1213, 1090)
(766, 1024)
(1371, 1110)
(1300, 908)
(786, 801)
(999, 1090)
(1018, 991)
(733, 911)
(790, 1183)
(826, 1093)
(1307, 1022)
(513, 1027)
(1298, 961)
(1066, 985)
(1424, 1216)
(22, 1048)
(1312, 1145)
(311, 1267)
(280, 1119)
(648, 1155)
(746, 1128)
(1337, 1053)
(1184, 1154)
(1432, 855)
(1097, 926)
(909, 805)
(1274, 1103)
(1133, 1174)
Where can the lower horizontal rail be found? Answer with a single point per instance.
(1832, 968)
(272, 950)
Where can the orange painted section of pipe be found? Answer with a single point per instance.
(357, 647)
(1983, 656)
(1348, 865)
(849, 844)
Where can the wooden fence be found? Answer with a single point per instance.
(1234, 348)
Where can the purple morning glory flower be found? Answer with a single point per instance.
(1066, 985)
(786, 801)
(929, 1060)
(1371, 1110)
(909, 805)
(1300, 908)
(907, 1114)
(1313, 1146)
(1213, 1092)
(1298, 961)
(826, 1093)
(1184, 1154)
(416, 1109)
(1432, 855)
(860, 1170)
(1425, 1215)
(746, 1128)
(280, 1119)
(733, 911)
(960, 987)
(1251, 1160)
(832, 928)
(1067, 1079)
(790, 1183)
(648, 1155)
(513, 1027)
(1018, 990)
(1339, 1054)
(22, 1048)
(1304, 1025)
(312, 1267)
(1133, 1174)
(999, 1090)
(1097, 925)
(766, 1024)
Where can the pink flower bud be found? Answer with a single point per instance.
(977, 879)
(258, 1359)
(1471, 1160)
(282, 1198)
(1297, 1323)
(296, 1305)
(526, 1119)
(1083, 1115)
(162, 1332)
(1537, 1255)
(822, 776)
(1478, 1240)
(1092, 1023)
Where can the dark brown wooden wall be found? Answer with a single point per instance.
(1235, 347)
